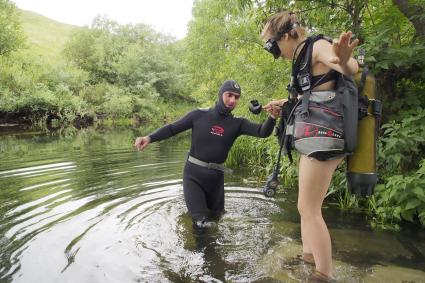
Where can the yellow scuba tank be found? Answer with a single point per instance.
(361, 165)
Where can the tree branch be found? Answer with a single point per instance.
(415, 13)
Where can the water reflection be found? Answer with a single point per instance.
(82, 206)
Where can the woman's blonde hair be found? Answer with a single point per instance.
(283, 22)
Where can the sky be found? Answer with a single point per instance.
(167, 16)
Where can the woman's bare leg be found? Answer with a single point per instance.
(304, 238)
(314, 180)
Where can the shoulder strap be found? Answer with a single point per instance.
(301, 68)
(362, 82)
(304, 73)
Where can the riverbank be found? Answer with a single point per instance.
(166, 112)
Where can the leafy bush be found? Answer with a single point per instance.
(117, 103)
(64, 74)
(11, 35)
(401, 197)
(401, 159)
(95, 94)
(402, 145)
(133, 57)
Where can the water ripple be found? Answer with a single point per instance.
(37, 170)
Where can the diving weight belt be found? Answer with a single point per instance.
(208, 165)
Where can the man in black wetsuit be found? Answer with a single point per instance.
(214, 131)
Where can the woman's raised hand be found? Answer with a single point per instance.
(343, 49)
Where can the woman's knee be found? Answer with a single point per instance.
(308, 212)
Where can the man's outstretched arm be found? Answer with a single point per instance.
(258, 130)
(166, 131)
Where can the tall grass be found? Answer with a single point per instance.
(259, 155)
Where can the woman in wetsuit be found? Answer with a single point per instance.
(214, 131)
(283, 35)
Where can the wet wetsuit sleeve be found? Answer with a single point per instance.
(257, 130)
(173, 129)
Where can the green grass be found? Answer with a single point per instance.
(45, 37)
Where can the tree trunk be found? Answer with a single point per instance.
(415, 13)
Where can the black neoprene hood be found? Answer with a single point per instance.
(230, 85)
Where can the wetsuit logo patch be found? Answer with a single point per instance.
(217, 130)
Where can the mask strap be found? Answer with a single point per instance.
(291, 27)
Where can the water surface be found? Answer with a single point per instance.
(83, 206)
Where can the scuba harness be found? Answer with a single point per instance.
(354, 106)
(285, 141)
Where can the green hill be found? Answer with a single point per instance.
(45, 36)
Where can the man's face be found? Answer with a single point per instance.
(231, 99)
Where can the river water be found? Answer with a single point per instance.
(83, 206)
